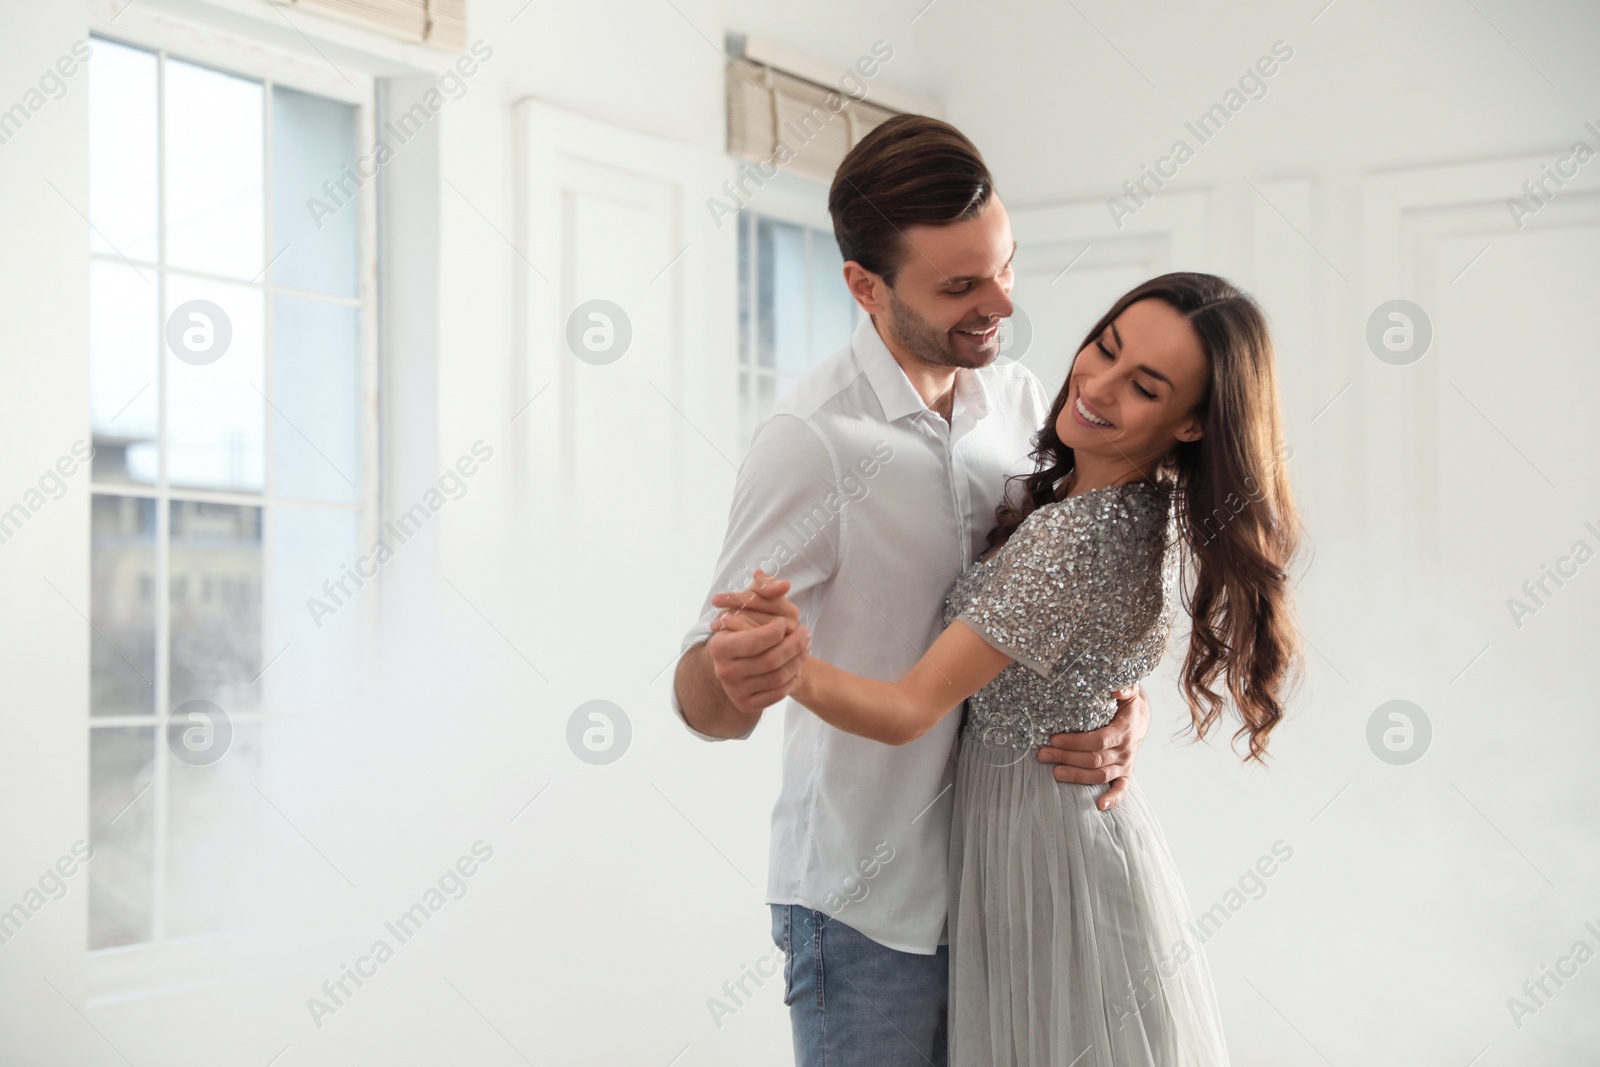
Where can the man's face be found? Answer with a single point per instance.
(952, 289)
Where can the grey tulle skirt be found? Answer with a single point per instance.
(1071, 939)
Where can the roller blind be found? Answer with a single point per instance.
(440, 23)
(776, 116)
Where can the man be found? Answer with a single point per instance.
(862, 499)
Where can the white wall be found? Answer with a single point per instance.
(44, 636)
(625, 896)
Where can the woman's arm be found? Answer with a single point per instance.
(959, 664)
(1027, 611)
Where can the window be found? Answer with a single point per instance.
(794, 308)
(231, 377)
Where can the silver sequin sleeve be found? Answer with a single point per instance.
(1026, 608)
(1079, 597)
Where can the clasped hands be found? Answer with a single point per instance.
(759, 648)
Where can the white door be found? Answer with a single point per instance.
(627, 344)
(627, 460)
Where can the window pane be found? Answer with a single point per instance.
(314, 186)
(781, 292)
(215, 598)
(215, 410)
(746, 357)
(213, 823)
(756, 392)
(315, 378)
(124, 399)
(171, 403)
(122, 605)
(833, 309)
(122, 150)
(320, 583)
(121, 763)
(214, 198)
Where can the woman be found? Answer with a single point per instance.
(1069, 925)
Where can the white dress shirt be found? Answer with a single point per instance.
(871, 506)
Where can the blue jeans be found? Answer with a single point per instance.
(856, 1003)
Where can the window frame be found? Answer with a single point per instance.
(163, 962)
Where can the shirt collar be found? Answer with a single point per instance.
(896, 395)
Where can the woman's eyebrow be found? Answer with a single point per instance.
(1155, 374)
(1142, 366)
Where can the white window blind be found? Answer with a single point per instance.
(775, 116)
(441, 23)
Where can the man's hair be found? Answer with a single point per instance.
(910, 170)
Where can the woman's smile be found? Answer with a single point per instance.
(1088, 416)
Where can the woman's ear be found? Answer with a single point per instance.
(1190, 431)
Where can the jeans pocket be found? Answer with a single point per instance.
(783, 939)
(788, 977)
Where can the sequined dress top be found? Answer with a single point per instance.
(1081, 597)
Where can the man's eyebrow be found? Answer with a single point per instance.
(976, 278)
(1148, 370)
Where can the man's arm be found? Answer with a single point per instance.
(723, 684)
(723, 681)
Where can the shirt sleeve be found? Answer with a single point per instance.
(785, 519)
(1031, 607)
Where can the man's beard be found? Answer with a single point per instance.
(926, 341)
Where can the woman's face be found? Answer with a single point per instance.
(1139, 381)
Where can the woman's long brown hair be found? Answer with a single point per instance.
(1235, 513)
